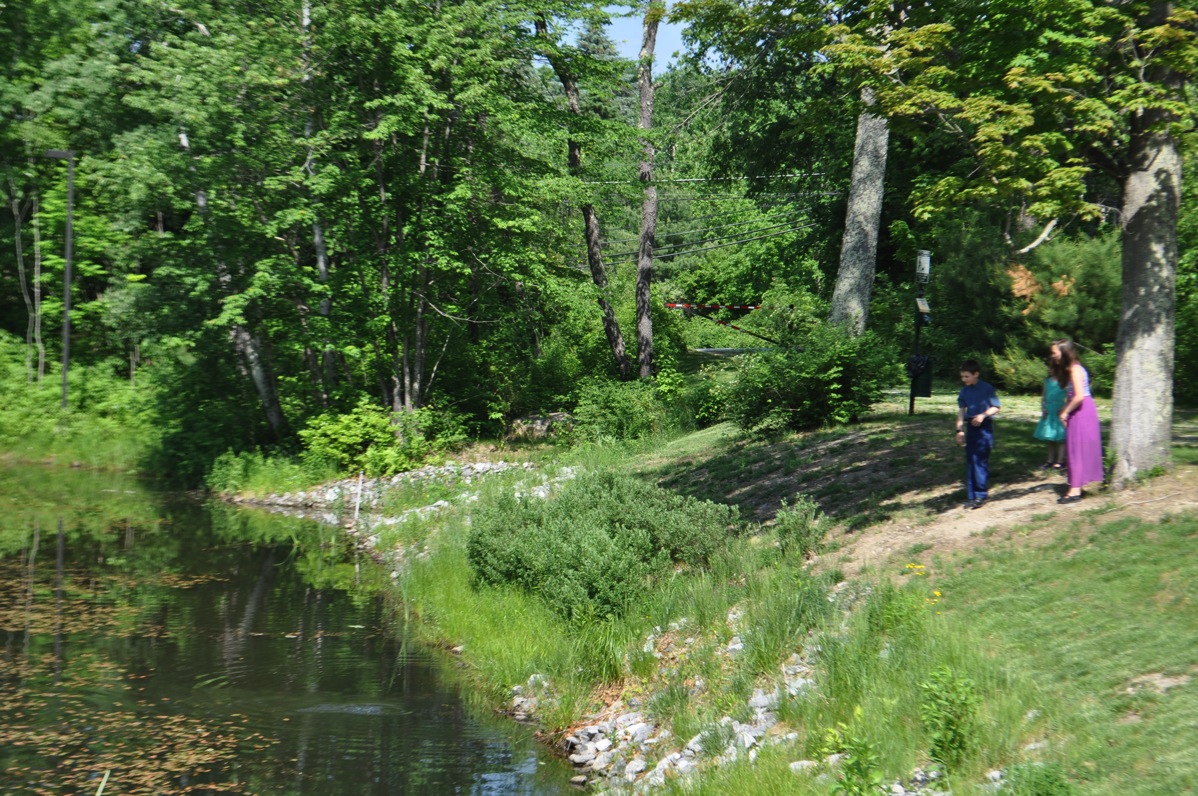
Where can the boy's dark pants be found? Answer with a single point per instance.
(979, 440)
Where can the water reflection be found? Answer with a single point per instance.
(192, 649)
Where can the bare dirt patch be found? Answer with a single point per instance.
(1029, 509)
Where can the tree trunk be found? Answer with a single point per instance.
(247, 346)
(37, 291)
(590, 219)
(18, 217)
(326, 373)
(1142, 410)
(644, 260)
(859, 246)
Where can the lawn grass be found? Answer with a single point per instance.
(1107, 616)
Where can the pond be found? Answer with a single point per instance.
(180, 647)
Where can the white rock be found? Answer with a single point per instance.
(637, 733)
(601, 761)
(804, 766)
(835, 759)
(635, 767)
(761, 700)
(603, 744)
(994, 776)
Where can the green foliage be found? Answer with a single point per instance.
(1017, 371)
(258, 473)
(949, 714)
(591, 550)
(709, 398)
(800, 527)
(379, 442)
(111, 423)
(1036, 779)
(859, 773)
(827, 377)
(618, 410)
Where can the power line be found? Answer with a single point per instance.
(632, 181)
(657, 249)
(722, 245)
(708, 229)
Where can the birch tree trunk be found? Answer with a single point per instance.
(644, 260)
(590, 218)
(1142, 409)
(859, 246)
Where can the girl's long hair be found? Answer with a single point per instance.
(1068, 358)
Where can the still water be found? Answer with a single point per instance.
(178, 647)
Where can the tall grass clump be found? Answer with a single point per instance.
(787, 607)
(593, 550)
(800, 527)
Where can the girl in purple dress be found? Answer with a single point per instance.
(1083, 437)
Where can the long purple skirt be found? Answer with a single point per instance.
(1083, 441)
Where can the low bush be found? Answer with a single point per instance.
(591, 551)
(379, 442)
(823, 376)
(1017, 371)
(616, 410)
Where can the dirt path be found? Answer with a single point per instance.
(1029, 507)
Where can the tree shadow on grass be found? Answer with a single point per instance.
(860, 475)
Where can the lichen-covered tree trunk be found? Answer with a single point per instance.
(1142, 410)
(644, 260)
(859, 246)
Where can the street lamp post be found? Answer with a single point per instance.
(69, 156)
(919, 367)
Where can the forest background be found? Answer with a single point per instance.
(352, 234)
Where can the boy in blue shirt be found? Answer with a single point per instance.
(977, 404)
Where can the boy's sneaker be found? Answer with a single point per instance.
(975, 504)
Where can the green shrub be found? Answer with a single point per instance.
(380, 442)
(949, 713)
(1017, 371)
(619, 410)
(824, 376)
(590, 551)
(800, 527)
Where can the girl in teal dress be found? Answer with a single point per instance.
(1050, 429)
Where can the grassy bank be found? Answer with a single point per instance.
(1034, 660)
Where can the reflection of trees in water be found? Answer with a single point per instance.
(173, 647)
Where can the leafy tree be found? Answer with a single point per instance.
(1053, 98)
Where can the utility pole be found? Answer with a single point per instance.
(919, 368)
